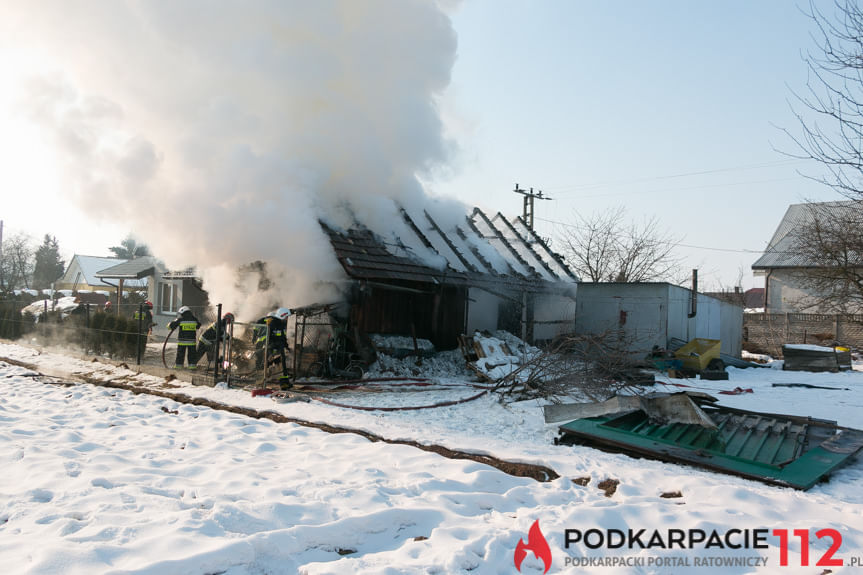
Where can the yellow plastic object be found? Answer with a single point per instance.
(698, 352)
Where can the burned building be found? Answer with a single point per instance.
(436, 281)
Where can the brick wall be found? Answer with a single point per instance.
(768, 331)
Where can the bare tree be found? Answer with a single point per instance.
(828, 247)
(828, 243)
(832, 106)
(17, 262)
(605, 248)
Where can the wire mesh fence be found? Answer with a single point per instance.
(317, 344)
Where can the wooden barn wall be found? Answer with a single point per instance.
(437, 317)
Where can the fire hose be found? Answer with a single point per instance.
(164, 345)
(403, 408)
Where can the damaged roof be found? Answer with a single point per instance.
(482, 251)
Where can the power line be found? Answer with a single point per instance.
(742, 251)
(580, 187)
(685, 189)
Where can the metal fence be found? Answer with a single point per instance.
(318, 343)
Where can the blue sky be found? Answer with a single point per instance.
(672, 109)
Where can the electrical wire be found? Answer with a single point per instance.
(563, 189)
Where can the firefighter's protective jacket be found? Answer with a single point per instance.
(277, 329)
(146, 317)
(187, 325)
(209, 335)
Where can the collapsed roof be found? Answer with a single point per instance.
(481, 251)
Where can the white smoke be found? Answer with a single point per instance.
(221, 132)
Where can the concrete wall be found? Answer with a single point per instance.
(787, 293)
(767, 332)
(784, 293)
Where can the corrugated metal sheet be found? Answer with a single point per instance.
(781, 252)
(779, 449)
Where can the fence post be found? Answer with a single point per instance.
(217, 345)
(140, 322)
(266, 352)
(86, 325)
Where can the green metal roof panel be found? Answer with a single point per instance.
(779, 449)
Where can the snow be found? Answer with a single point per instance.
(810, 347)
(64, 305)
(101, 480)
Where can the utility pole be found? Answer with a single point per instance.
(528, 203)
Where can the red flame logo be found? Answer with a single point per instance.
(535, 542)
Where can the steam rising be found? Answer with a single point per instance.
(222, 131)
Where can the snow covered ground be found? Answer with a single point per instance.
(101, 480)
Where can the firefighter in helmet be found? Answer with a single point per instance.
(207, 343)
(188, 325)
(276, 334)
(145, 315)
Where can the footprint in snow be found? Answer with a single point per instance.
(102, 482)
(41, 495)
(72, 526)
(73, 469)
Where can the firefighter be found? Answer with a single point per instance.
(207, 340)
(188, 326)
(146, 317)
(276, 331)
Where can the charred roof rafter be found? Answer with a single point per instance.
(449, 243)
(476, 252)
(528, 245)
(554, 255)
(415, 229)
(500, 236)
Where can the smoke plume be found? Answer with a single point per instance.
(221, 132)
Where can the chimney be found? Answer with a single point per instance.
(693, 296)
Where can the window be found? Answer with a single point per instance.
(168, 298)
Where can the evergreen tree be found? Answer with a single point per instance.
(130, 249)
(48, 265)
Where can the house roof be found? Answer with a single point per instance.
(754, 297)
(91, 265)
(135, 269)
(781, 251)
(481, 251)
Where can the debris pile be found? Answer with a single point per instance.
(497, 357)
(802, 357)
(443, 364)
(64, 305)
(691, 428)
